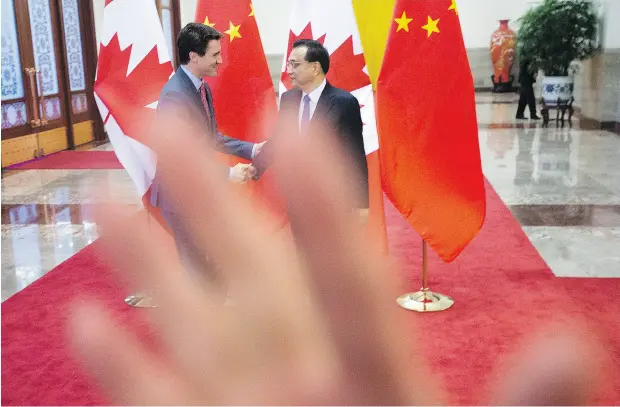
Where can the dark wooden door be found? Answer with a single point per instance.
(47, 98)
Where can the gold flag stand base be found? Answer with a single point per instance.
(425, 300)
(140, 301)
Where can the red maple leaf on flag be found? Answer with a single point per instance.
(126, 96)
(305, 34)
(346, 70)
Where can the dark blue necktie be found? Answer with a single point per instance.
(305, 115)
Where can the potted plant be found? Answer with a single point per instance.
(552, 36)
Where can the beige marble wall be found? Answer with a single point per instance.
(275, 68)
(597, 87)
(482, 67)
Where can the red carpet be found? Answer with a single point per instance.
(502, 288)
(73, 160)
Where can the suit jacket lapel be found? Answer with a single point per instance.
(324, 105)
(194, 95)
(289, 109)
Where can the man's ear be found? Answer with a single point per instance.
(317, 67)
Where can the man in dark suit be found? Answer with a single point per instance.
(316, 108)
(185, 104)
(526, 91)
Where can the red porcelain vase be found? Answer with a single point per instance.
(503, 43)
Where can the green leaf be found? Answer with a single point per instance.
(557, 32)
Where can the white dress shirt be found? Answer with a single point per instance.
(314, 99)
(195, 80)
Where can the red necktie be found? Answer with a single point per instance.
(203, 97)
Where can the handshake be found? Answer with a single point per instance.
(242, 173)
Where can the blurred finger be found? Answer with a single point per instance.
(348, 277)
(194, 325)
(219, 220)
(557, 369)
(120, 364)
(261, 267)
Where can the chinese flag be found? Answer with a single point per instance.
(428, 133)
(243, 94)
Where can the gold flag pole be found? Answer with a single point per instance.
(425, 300)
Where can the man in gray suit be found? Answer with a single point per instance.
(186, 99)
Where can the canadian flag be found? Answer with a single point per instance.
(133, 66)
(333, 24)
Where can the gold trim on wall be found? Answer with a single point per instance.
(52, 141)
(19, 149)
(83, 132)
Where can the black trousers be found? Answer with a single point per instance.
(526, 98)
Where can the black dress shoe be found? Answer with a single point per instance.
(520, 118)
(535, 118)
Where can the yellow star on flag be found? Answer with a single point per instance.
(403, 22)
(207, 22)
(454, 7)
(431, 26)
(233, 31)
(252, 12)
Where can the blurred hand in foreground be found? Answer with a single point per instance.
(314, 323)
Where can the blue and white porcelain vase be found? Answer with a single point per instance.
(557, 87)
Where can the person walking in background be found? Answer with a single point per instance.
(526, 91)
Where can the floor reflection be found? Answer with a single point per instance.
(30, 251)
(551, 166)
(49, 215)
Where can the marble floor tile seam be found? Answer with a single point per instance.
(49, 214)
(576, 184)
(567, 215)
(529, 194)
(64, 229)
(533, 194)
(532, 124)
(74, 189)
(497, 102)
(74, 198)
(577, 123)
(63, 180)
(52, 175)
(556, 200)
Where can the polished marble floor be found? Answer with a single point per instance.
(562, 185)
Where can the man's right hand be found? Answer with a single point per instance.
(241, 173)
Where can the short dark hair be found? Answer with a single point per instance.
(316, 53)
(195, 37)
